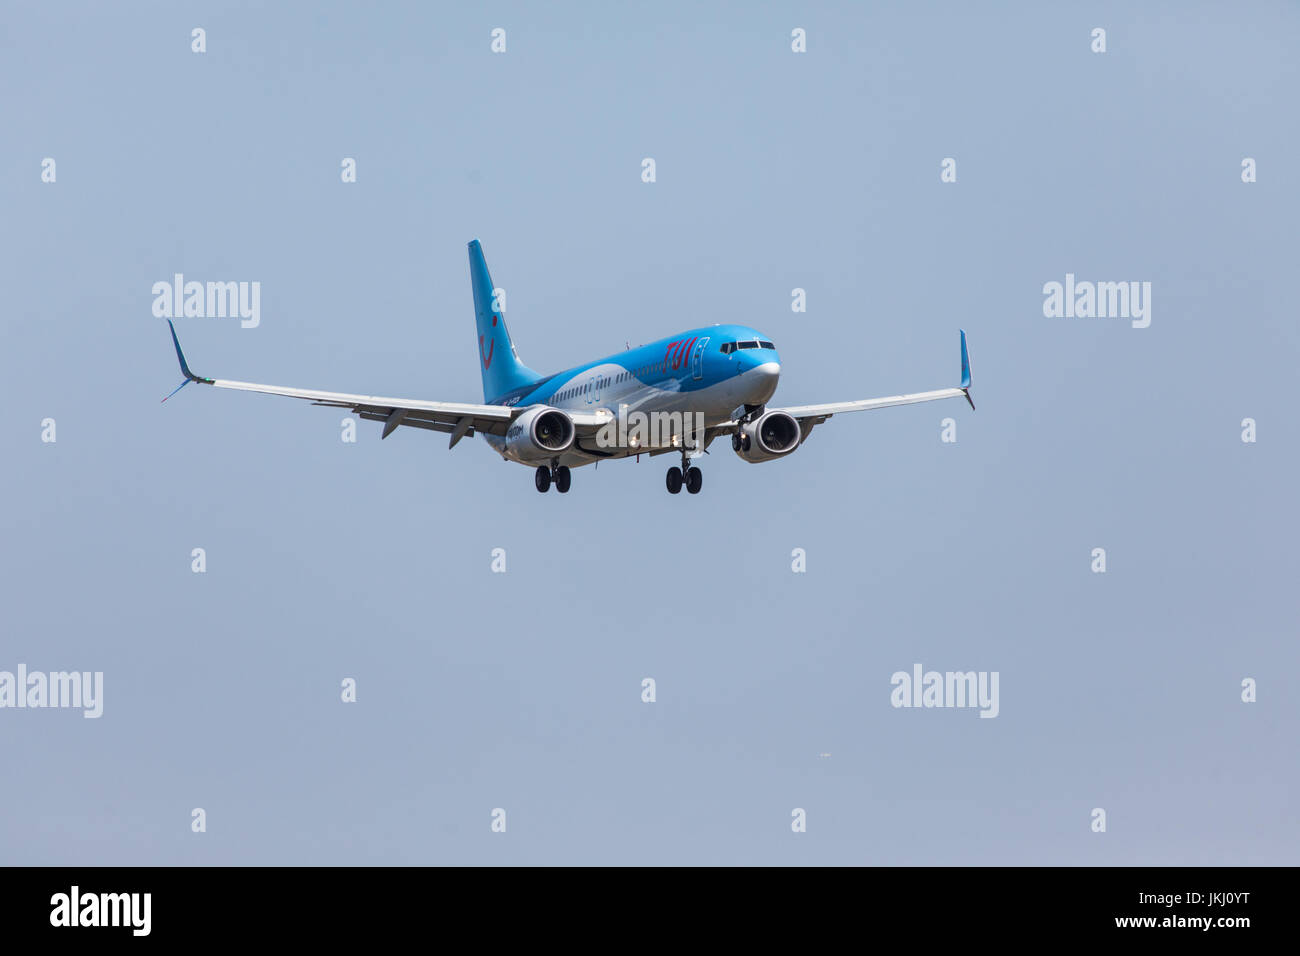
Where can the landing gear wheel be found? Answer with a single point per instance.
(563, 479)
(674, 480)
(694, 481)
(543, 478)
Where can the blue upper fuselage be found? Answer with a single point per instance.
(689, 361)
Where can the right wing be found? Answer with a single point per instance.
(458, 419)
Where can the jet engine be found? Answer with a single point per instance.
(539, 434)
(771, 435)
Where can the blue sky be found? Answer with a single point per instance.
(522, 690)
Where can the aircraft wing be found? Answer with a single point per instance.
(810, 415)
(459, 419)
(817, 414)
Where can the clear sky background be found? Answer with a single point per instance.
(522, 690)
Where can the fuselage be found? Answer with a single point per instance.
(710, 371)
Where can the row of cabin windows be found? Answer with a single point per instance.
(571, 392)
(621, 377)
(729, 347)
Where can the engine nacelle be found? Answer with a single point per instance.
(539, 434)
(769, 436)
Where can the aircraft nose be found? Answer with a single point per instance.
(765, 376)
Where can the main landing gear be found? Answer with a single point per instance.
(557, 473)
(687, 475)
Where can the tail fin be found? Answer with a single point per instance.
(498, 360)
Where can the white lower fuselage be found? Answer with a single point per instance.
(600, 387)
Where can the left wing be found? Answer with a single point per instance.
(459, 419)
(810, 415)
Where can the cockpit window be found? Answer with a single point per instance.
(729, 347)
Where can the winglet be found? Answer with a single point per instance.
(965, 371)
(180, 357)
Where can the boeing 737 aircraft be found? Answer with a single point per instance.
(687, 390)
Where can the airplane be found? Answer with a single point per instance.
(696, 385)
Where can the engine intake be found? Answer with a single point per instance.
(540, 434)
(769, 436)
